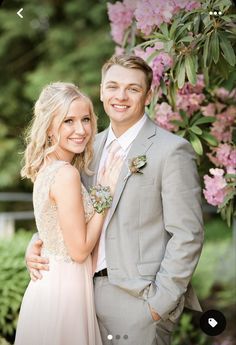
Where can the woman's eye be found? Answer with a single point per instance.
(86, 119)
(69, 121)
(111, 87)
(133, 90)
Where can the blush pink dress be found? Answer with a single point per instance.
(58, 309)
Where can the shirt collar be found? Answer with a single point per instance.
(128, 137)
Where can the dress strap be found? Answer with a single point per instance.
(52, 170)
(45, 179)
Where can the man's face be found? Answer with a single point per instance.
(124, 95)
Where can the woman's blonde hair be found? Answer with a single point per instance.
(54, 100)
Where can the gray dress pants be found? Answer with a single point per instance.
(125, 319)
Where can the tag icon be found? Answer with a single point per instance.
(212, 322)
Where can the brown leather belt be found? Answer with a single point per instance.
(102, 273)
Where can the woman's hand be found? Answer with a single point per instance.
(109, 174)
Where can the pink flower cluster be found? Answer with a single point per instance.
(164, 115)
(222, 128)
(190, 97)
(159, 64)
(149, 14)
(121, 16)
(224, 156)
(215, 187)
(185, 5)
(152, 13)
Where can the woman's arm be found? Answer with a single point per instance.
(66, 193)
(80, 238)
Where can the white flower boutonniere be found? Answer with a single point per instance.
(136, 164)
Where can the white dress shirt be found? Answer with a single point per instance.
(125, 141)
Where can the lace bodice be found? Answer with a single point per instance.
(46, 213)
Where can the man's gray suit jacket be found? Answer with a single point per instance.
(154, 234)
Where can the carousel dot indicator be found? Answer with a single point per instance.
(109, 337)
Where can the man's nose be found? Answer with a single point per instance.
(121, 94)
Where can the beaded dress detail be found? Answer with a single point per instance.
(58, 309)
(46, 213)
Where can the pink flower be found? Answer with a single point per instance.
(224, 94)
(231, 170)
(224, 156)
(185, 5)
(189, 102)
(151, 13)
(208, 110)
(159, 64)
(222, 128)
(164, 115)
(215, 187)
(121, 17)
(190, 97)
(131, 4)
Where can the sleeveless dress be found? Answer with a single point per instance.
(58, 309)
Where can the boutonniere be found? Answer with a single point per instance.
(136, 164)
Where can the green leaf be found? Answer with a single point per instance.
(178, 123)
(174, 27)
(196, 130)
(228, 197)
(177, 66)
(230, 176)
(180, 31)
(206, 75)
(227, 49)
(205, 119)
(191, 69)
(215, 46)
(152, 56)
(206, 51)
(164, 30)
(196, 23)
(181, 133)
(184, 117)
(209, 138)
(163, 87)
(195, 118)
(168, 45)
(181, 75)
(186, 39)
(196, 143)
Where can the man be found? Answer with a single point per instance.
(152, 236)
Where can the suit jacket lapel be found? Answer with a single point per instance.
(139, 147)
(98, 148)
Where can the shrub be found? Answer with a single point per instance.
(13, 281)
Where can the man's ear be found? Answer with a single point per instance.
(149, 97)
(101, 93)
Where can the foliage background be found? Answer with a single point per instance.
(56, 40)
(69, 41)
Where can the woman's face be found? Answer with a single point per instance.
(75, 131)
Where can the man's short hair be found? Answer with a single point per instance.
(130, 61)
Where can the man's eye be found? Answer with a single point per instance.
(111, 87)
(133, 90)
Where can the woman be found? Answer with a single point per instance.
(59, 309)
